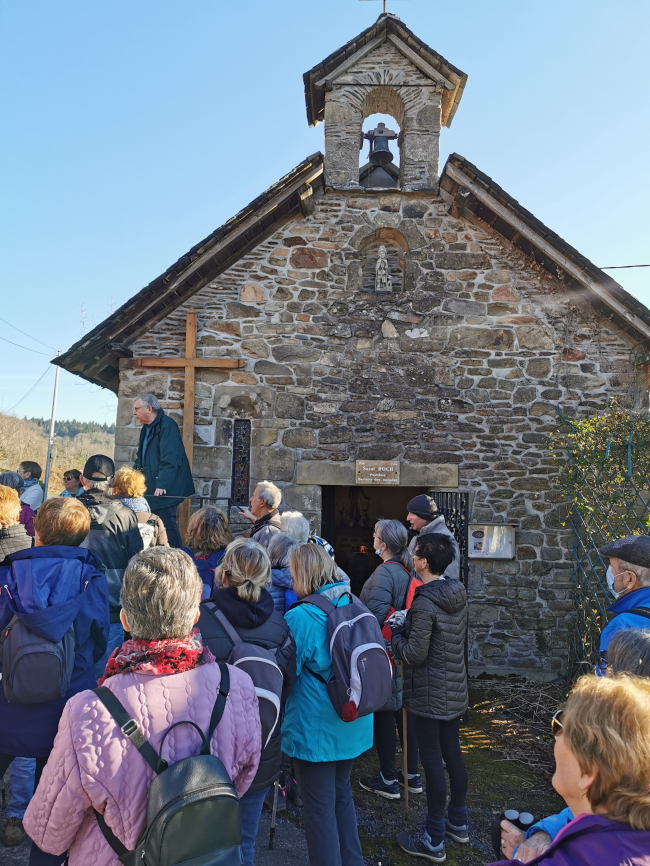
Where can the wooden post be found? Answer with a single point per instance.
(404, 748)
(188, 411)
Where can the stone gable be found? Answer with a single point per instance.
(457, 373)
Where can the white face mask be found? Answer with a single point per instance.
(378, 552)
(610, 582)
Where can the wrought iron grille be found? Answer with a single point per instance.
(455, 509)
(241, 462)
(610, 499)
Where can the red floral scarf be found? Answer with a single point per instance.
(157, 657)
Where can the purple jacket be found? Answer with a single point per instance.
(593, 839)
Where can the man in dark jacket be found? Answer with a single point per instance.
(263, 512)
(114, 538)
(432, 647)
(161, 457)
(50, 588)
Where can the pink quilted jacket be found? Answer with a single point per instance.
(93, 766)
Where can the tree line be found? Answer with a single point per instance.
(72, 428)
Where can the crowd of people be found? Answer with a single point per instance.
(226, 647)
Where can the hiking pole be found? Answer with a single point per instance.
(404, 748)
(274, 813)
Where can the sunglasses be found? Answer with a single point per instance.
(556, 723)
(69, 478)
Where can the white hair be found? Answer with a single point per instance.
(269, 493)
(149, 400)
(296, 524)
(98, 483)
(642, 573)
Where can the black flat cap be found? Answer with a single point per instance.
(634, 549)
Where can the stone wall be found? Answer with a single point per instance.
(462, 366)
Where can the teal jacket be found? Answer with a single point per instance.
(311, 729)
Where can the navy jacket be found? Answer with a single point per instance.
(164, 463)
(281, 582)
(205, 565)
(50, 589)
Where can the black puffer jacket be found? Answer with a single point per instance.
(260, 624)
(114, 538)
(432, 648)
(385, 588)
(13, 539)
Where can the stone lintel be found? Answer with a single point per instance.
(324, 473)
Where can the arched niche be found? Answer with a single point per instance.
(396, 246)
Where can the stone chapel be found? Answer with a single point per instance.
(388, 330)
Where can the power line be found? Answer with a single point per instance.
(36, 352)
(620, 267)
(27, 335)
(30, 390)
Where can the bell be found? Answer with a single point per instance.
(380, 153)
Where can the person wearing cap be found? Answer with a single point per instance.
(628, 579)
(114, 538)
(423, 518)
(162, 459)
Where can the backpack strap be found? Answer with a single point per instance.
(128, 726)
(223, 622)
(320, 602)
(222, 697)
(639, 611)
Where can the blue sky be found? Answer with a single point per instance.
(133, 128)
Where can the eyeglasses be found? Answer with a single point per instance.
(556, 723)
(69, 478)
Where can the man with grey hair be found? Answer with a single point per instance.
(114, 538)
(628, 578)
(161, 457)
(263, 512)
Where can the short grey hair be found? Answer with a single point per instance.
(149, 400)
(279, 549)
(161, 593)
(13, 480)
(98, 483)
(642, 573)
(269, 493)
(396, 539)
(296, 524)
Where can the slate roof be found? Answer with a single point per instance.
(585, 271)
(96, 356)
(385, 24)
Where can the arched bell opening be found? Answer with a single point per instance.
(383, 117)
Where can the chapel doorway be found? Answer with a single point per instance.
(349, 515)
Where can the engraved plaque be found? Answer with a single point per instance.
(378, 472)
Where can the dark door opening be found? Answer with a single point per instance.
(348, 518)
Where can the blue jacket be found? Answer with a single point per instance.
(551, 825)
(281, 589)
(622, 620)
(205, 565)
(50, 589)
(311, 729)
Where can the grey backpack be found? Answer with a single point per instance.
(260, 665)
(34, 669)
(361, 682)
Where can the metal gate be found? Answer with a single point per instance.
(454, 507)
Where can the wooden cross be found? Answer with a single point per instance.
(189, 363)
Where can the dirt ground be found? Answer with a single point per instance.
(496, 781)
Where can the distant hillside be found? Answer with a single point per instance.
(72, 428)
(21, 439)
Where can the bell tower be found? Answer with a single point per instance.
(386, 70)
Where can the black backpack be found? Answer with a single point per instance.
(362, 676)
(35, 669)
(193, 812)
(260, 665)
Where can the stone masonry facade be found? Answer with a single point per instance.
(457, 374)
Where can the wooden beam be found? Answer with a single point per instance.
(223, 363)
(544, 246)
(188, 410)
(421, 64)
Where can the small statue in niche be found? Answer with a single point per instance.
(383, 281)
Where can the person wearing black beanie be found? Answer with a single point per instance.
(423, 517)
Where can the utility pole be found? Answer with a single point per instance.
(51, 440)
